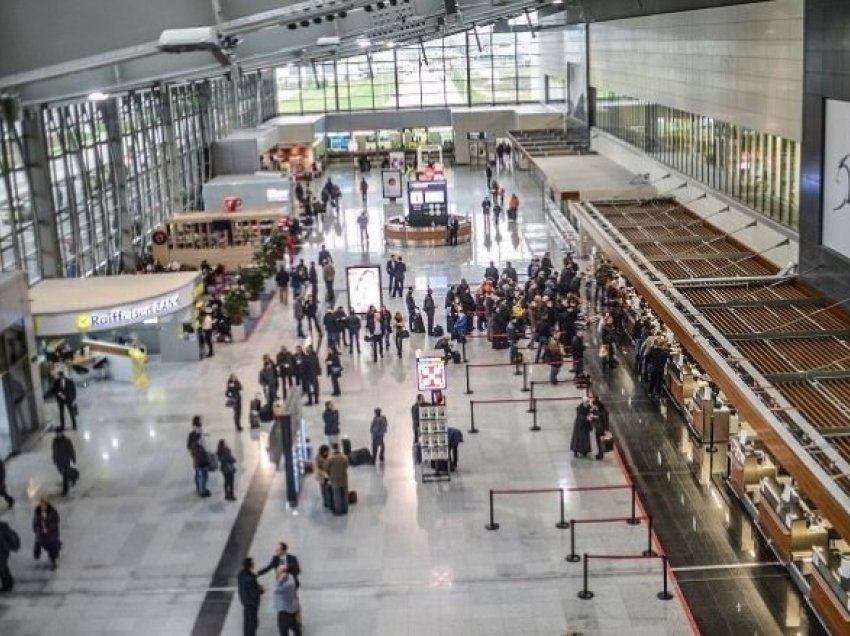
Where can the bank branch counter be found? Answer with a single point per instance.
(106, 327)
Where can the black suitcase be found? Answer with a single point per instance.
(339, 498)
(418, 324)
(346, 446)
(319, 207)
(266, 414)
(438, 331)
(327, 496)
(456, 357)
(360, 457)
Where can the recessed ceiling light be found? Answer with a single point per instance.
(390, 44)
(363, 44)
(97, 96)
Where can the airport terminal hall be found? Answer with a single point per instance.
(425, 318)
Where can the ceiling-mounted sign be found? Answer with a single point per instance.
(476, 134)
(836, 178)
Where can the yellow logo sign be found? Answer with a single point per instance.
(84, 322)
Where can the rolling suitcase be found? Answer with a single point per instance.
(438, 331)
(360, 456)
(456, 357)
(352, 497)
(266, 414)
(346, 446)
(339, 496)
(418, 324)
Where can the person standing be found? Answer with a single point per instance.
(45, 526)
(363, 224)
(66, 397)
(378, 429)
(377, 334)
(233, 397)
(285, 369)
(391, 274)
(398, 277)
(312, 371)
(311, 312)
(321, 467)
(601, 425)
(577, 352)
(429, 307)
(455, 439)
(364, 189)
(334, 369)
(249, 595)
(298, 314)
(280, 557)
(9, 542)
(267, 379)
(330, 417)
(398, 331)
(554, 358)
(414, 416)
(410, 303)
(354, 324)
(63, 456)
(286, 603)
(10, 501)
(207, 328)
(329, 320)
(324, 256)
(198, 454)
(580, 440)
(313, 277)
(489, 174)
(282, 280)
(227, 463)
(328, 274)
(338, 480)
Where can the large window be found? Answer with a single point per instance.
(758, 169)
(18, 243)
(450, 71)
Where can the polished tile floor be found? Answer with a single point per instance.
(142, 552)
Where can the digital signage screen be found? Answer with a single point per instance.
(364, 287)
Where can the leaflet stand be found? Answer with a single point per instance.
(434, 442)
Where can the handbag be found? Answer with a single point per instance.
(336, 371)
(74, 410)
(212, 462)
(404, 334)
(229, 403)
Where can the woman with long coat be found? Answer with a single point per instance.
(45, 525)
(580, 441)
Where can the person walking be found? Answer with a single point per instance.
(312, 371)
(45, 526)
(364, 189)
(250, 591)
(554, 358)
(429, 307)
(9, 542)
(398, 277)
(227, 465)
(363, 224)
(63, 456)
(66, 398)
(353, 324)
(489, 174)
(338, 480)
(334, 369)
(376, 333)
(10, 501)
(286, 603)
(378, 429)
(311, 312)
(282, 280)
(328, 274)
(233, 399)
(198, 454)
(267, 379)
(455, 439)
(298, 314)
(313, 277)
(280, 557)
(329, 320)
(330, 417)
(285, 369)
(398, 331)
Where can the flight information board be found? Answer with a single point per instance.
(427, 203)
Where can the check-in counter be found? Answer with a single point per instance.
(830, 583)
(680, 383)
(790, 525)
(748, 464)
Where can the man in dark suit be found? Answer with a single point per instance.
(391, 274)
(249, 595)
(398, 277)
(66, 397)
(282, 557)
(63, 456)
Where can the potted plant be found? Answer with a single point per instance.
(264, 261)
(276, 244)
(253, 279)
(235, 306)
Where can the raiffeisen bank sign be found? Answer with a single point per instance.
(130, 314)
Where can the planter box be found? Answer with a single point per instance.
(254, 308)
(238, 332)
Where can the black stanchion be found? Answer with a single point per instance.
(524, 377)
(664, 595)
(562, 524)
(469, 391)
(572, 557)
(585, 594)
(463, 349)
(633, 520)
(534, 426)
(472, 428)
(492, 525)
(517, 370)
(531, 407)
(649, 551)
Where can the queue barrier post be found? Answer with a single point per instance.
(649, 552)
(492, 525)
(469, 391)
(572, 557)
(562, 524)
(585, 594)
(463, 349)
(531, 407)
(517, 370)
(664, 594)
(525, 377)
(472, 428)
(534, 427)
(633, 520)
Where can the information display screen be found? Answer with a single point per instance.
(431, 373)
(364, 287)
(427, 201)
(391, 184)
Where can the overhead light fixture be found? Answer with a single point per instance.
(390, 44)
(97, 96)
(364, 43)
(557, 1)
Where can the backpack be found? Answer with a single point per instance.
(11, 540)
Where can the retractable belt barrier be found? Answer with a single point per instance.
(563, 524)
(586, 594)
(573, 557)
(472, 404)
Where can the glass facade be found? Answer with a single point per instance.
(117, 168)
(453, 71)
(758, 169)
